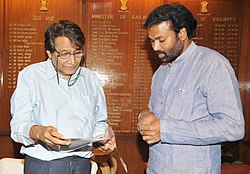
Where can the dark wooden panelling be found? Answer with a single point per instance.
(245, 149)
(3, 52)
(134, 152)
(118, 51)
(8, 147)
(244, 78)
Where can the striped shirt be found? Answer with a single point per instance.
(198, 103)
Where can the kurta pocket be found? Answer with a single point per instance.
(179, 104)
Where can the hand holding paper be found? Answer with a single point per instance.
(109, 142)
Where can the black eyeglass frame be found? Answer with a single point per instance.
(69, 54)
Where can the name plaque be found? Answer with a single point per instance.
(117, 47)
(118, 51)
(120, 54)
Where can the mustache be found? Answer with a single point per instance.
(161, 52)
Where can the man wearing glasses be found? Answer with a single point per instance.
(57, 100)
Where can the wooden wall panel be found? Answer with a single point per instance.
(1, 55)
(245, 149)
(219, 26)
(134, 151)
(244, 79)
(9, 148)
(118, 51)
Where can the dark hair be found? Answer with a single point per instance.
(63, 28)
(178, 15)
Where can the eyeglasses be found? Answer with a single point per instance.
(66, 55)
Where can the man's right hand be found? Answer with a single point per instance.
(48, 134)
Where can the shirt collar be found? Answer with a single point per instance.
(186, 54)
(51, 72)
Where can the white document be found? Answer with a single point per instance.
(76, 144)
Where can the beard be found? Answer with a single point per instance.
(172, 54)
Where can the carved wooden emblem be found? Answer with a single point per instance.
(204, 5)
(43, 7)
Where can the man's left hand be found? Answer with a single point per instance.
(150, 129)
